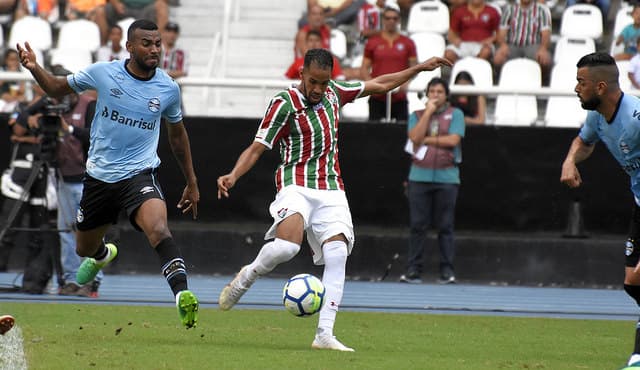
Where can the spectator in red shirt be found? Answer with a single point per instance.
(472, 31)
(386, 53)
(369, 19)
(316, 22)
(314, 41)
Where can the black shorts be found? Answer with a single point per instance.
(632, 246)
(102, 201)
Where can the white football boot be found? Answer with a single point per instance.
(232, 292)
(329, 342)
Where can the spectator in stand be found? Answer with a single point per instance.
(629, 36)
(603, 5)
(6, 323)
(314, 41)
(472, 31)
(45, 9)
(113, 11)
(385, 53)
(174, 60)
(525, 31)
(11, 92)
(474, 107)
(634, 68)
(317, 23)
(82, 9)
(369, 19)
(113, 50)
(337, 11)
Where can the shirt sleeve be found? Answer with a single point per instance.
(274, 122)
(413, 120)
(588, 132)
(457, 126)
(505, 18)
(173, 112)
(348, 91)
(84, 79)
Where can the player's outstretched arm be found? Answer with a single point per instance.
(52, 85)
(245, 162)
(578, 152)
(179, 142)
(390, 81)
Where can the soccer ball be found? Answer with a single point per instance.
(303, 295)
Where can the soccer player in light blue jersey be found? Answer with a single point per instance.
(133, 97)
(614, 119)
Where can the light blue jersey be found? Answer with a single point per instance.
(621, 136)
(126, 126)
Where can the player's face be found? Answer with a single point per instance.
(314, 82)
(390, 21)
(145, 48)
(586, 90)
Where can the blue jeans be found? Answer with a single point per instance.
(431, 204)
(69, 194)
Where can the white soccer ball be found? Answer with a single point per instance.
(303, 295)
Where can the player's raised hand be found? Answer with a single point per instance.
(190, 199)
(225, 183)
(27, 56)
(433, 63)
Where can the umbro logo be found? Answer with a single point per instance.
(146, 189)
(116, 93)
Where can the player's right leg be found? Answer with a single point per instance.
(90, 244)
(631, 278)
(285, 246)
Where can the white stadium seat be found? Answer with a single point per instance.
(428, 44)
(479, 69)
(358, 110)
(71, 59)
(570, 49)
(338, 43)
(623, 19)
(79, 34)
(429, 16)
(564, 111)
(581, 20)
(518, 110)
(623, 75)
(33, 29)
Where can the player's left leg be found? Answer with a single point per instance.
(335, 253)
(151, 218)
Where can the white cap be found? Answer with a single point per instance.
(391, 4)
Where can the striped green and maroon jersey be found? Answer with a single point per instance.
(308, 135)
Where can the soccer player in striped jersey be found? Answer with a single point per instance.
(303, 120)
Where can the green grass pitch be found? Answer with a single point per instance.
(88, 336)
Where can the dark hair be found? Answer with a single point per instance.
(116, 26)
(602, 67)
(321, 57)
(597, 59)
(464, 75)
(470, 108)
(438, 81)
(142, 24)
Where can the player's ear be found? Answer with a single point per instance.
(300, 71)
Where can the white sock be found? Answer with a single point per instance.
(335, 262)
(634, 358)
(271, 255)
(106, 256)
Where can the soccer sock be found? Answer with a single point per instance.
(271, 255)
(173, 267)
(102, 253)
(335, 262)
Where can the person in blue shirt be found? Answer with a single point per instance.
(435, 134)
(134, 95)
(613, 119)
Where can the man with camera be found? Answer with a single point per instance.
(69, 119)
(24, 187)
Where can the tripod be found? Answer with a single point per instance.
(38, 167)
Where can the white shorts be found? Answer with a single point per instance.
(467, 49)
(325, 212)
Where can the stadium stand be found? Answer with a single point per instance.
(428, 16)
(582, 20)
(564, 111)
